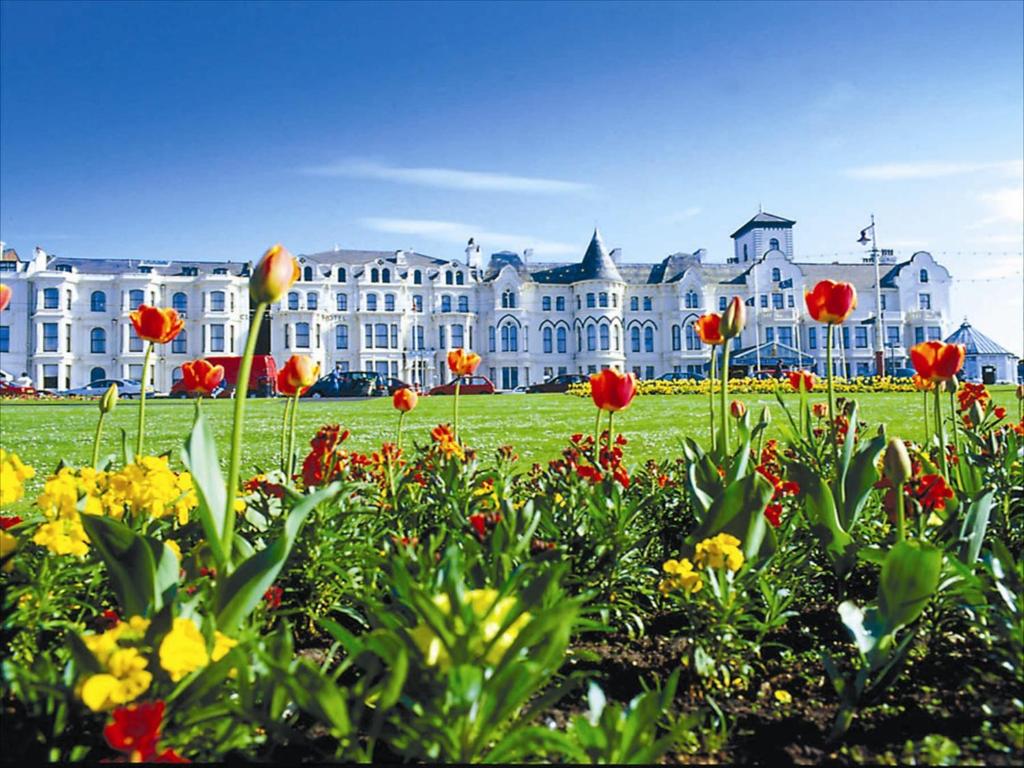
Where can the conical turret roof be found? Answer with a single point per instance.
(975, 342)
(597, 264)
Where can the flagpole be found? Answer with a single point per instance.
(757, 321)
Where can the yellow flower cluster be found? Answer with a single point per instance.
(126, 677)
(681, 576)
(148, 486)
(13, 474)
(490, 613)
(749, 385)
(721, 551)
(183, 649)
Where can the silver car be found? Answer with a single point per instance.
(126, 388)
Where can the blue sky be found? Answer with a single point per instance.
(212, 130)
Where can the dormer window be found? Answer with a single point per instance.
(220, 271)
(385, 276)
(508, 299)
(307, 274)
(776, 274)
(341, 275)
(923, 276)
(448, 278)
(417, 277)
(189, 271)
(460, 279)
(773, 244)
(143, 270)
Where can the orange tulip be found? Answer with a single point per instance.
(737, 409)
(201, 376)
(404, 400)
(937, 361)
(155, 324)
(276, 273)
(734, 319)
(795, 377)
(709, 328)
(611, 390)
(922, 384)
(298, 375)
(831, 302)
(5, 296)
(463, 363)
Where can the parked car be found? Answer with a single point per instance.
(682, 376)
(902, 373)
(471, 385)
(126, 388)
(10, 389)
(262, 376)
(349, 384)
(396, 384)
(560, 383)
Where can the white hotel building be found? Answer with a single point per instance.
(399, 312)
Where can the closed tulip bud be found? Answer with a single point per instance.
(977, 413)
(766, 415)
(276, 272)
(734, 320)
(737, 409)
(1020, 391)
(109, 399)
(896, 463)
(950, 385)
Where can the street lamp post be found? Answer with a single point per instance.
(879, 350)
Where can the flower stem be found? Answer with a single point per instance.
(725, 399)
(458, 385)
(831, 398)
(927, 425)
(611, 431)
(96, 440)
(142, 399)
(941, 432)
(711, 394)
(401, 421)
(234, 465)
(956, 437)
(597, 435)
(291, 435)
(900, 512)
(284, 434)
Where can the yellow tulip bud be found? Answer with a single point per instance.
(109, 399)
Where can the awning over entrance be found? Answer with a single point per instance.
(772, 353)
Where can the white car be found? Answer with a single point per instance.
(126, 388)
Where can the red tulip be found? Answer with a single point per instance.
(937, 361)
(611, 390)
(709, 328)
(737, 409)
(298, 375)
(795, 377)
(463, 363)
(5, 296)
(276, 272)
(155, 324)
(404, 400)
(831, 302)
(202, 377)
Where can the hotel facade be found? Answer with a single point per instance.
(399, 312)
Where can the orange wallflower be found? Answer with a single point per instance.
(404, 399)
(298, 375)
(155, 324)
(201, 376)
(709, 328)
(276, 273)
(937, 361)
(795, 377)
(611, 390)
(5, 296)
(463, 363)
(831, 301)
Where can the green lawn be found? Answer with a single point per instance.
(538, 425)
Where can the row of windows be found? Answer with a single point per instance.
(383, 275)
(179, 301)
(98, 340)
(373, 302)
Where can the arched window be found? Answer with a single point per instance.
(634, 339)
(136, 298)
(97, 374)
(217, 301)
(98, 341)
(692, 339)
(677, 339)
(463, 303)
(446, 303)
(176, 375)
(179, 345)
(307, 274)
(371, 302)
(448, 279)
(385, 276)
(342, 299)
(98, 301)
(692, 302)
(648, 339)
(460, 279)
(548, 339)
(389, 302)
(417, 277)
(311, 300)
(591, 338)
(342, 275)
(923, 276)
(634, 304)
(293, 300)
(560, 339)
(302, 335)
(179, 303)
(605, 339)
(374, 275)
(773, 244)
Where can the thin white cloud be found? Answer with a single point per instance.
(1004, 205)
(459, 233)
(447, 178)
(686, 213)
(904, 171)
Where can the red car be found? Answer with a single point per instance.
(10, 389)
(471, 385)
(262, 376)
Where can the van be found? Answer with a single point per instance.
(262, 376)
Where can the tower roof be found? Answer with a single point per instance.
(976, 342)
(597, 264)
(763, 219)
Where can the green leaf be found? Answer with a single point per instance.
(821, 510)
(240, 593)
(738, 510)
(131, 564)
(972, 534)
(909, 579)
(199, 454)
(860, 479)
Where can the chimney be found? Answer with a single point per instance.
(400, 258)
(527, 255)
(616, 255)
(699, 255)
(473, 258)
